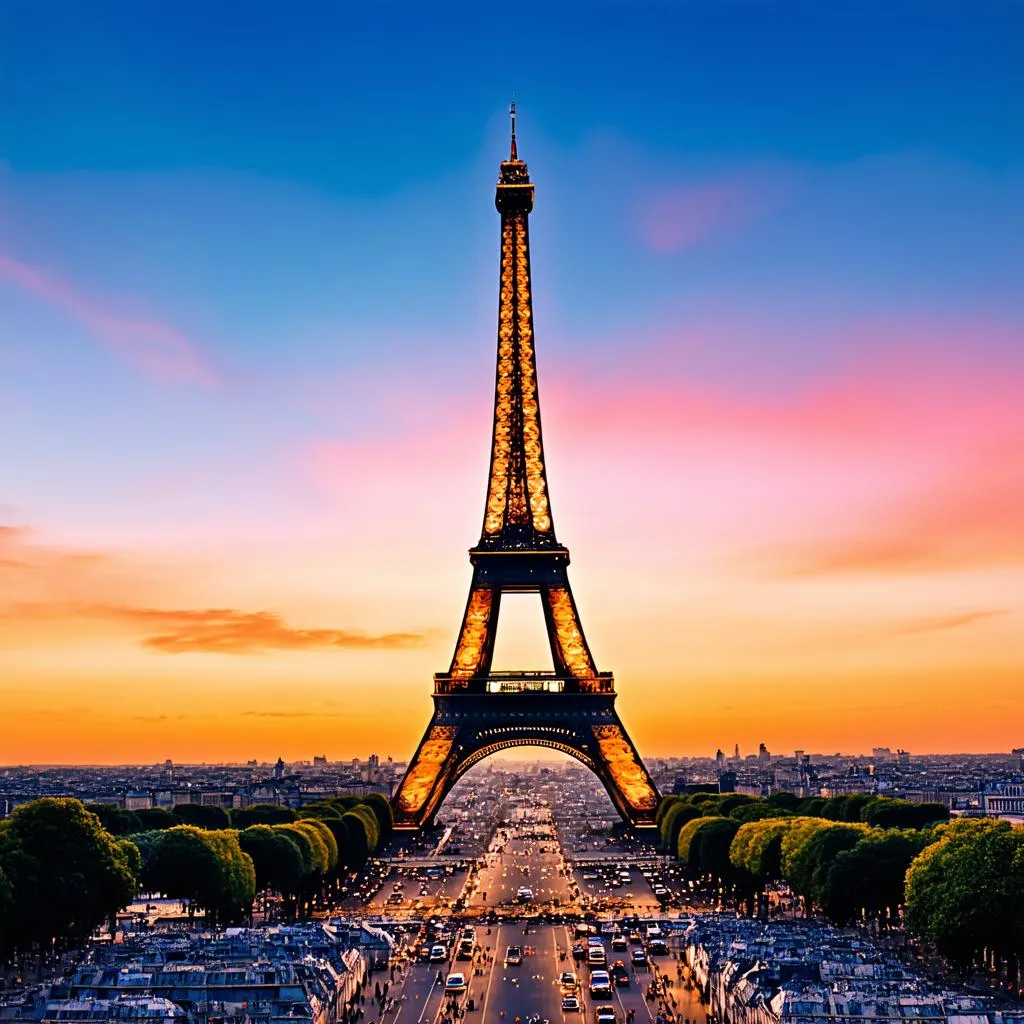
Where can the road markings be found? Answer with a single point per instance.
(490, 977)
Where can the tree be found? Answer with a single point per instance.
(116, 820)
(64, 873)
(204, 816)
(868, 879)
(965, 892)
(678, 815)
(665, 804)
(709, 847)
(276, 858)
(339, 831)
(701, 844)
(206, 867)
(261, 814)
(757, 811)
(153, 818)
(809, 850)
(370, 821)
(810, 807)
(326, 837)
(381, 808)
(730, 802)
(784, 800)
(357, 846)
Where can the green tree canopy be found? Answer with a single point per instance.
(965, 892)
(116, 820)
(689, 844)
(154, 817)
(678, 815)
(276, 858)
(808, 852)
(357, 846)
(758, 810)
(785, 801)
(869, 877)
(206, 867)
(370, 821)
(261, 814)
(323, 830)
(381, 808)
(202, 816)
(709, 848)
(64, 873)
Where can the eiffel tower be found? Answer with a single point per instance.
(477, 711)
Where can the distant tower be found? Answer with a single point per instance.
(736, 752)
(720, 760)
(763, 755)
(279, 769)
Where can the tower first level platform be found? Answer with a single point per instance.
(468, 727)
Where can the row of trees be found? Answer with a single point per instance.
(878, 811)
(960, 883)
(120, 822)
(63, 873)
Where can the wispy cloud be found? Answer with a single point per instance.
(158, 348)
(43, 584)
(229, 631)
(941, 623)
(970, 518)
(676, 217)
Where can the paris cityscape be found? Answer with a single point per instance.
(770, 309)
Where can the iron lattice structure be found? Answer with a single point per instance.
(478, 712)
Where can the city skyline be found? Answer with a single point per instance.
(782, 376)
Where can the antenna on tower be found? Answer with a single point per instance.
(512, 115)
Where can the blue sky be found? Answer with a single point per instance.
(248, 262)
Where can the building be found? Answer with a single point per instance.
(1004, 799)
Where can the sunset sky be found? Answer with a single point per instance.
(248, 282)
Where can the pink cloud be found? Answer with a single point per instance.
(156, 347)
(673, 218)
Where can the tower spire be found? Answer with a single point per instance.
(514, 155)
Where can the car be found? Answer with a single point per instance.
(638, 957)
(600, 985)
(396, 898)
(465, 950)
(597, 955)
(605, 1015)
(619, 943)
(620, 974)
(468, 932)
(658, 947)
(438, 954)
(595, 940)
(570, 1004)
(635, 936)
(579, 952)
(524, 894)
(455, 983)
(568, 981)
(513, 956)
(424, 953)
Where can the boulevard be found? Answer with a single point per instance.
(522, 966)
